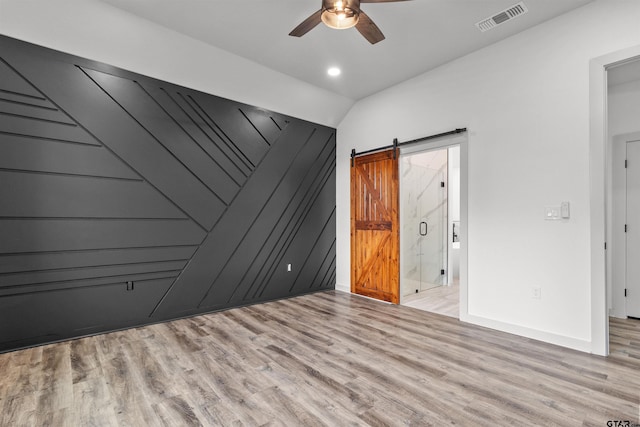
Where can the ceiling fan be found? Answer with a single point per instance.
(342, 14)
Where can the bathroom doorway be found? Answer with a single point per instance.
(429, 230)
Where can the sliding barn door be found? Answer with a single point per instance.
(375, 253)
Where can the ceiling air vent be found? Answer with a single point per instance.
(502, 17)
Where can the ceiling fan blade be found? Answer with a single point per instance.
(369, 29)
(380, 1)
(307, 25)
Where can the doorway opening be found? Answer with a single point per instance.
(376, 252)
(600, 206)
(623, 201)
(430, 229)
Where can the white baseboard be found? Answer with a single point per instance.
(620, 314)
(342, 287)
(548, 337)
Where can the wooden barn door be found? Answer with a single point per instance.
(375, 248)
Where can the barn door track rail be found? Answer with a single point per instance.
(397, 144)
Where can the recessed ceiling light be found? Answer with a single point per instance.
(334, 71)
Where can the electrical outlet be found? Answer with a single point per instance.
(536, 293)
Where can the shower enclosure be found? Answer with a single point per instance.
(423, 221)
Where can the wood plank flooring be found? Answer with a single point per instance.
(328, 358)
(443, 300)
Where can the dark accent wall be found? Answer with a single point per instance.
(109, 177)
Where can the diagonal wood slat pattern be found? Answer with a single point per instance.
(328, 358)
(127, 200)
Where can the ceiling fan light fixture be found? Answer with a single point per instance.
(340, 14)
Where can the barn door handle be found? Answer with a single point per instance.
(425, 228)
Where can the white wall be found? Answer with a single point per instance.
(623, 108)
(95, 30)
(525, 102)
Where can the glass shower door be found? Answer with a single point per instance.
(424, 228)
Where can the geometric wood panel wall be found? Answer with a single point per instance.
(125, 200)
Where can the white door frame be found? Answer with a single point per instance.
(598, 182)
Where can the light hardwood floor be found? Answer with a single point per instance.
(324, 359)
(443, 300)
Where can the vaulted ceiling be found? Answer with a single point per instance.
(420, 35)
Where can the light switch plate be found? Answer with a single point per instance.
(564, 210)
(552, 213)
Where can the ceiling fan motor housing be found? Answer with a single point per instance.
(340, 14)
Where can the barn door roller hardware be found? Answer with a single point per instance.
(397, 144)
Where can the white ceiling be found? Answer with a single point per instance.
(420, 35)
